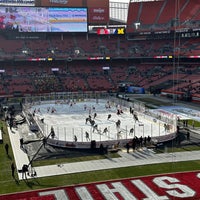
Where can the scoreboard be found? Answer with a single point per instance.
(111, 31)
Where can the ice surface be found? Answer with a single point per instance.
(68, 119)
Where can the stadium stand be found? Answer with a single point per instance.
(157, 52)
(165, 15)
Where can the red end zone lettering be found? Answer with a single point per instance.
(161, 187)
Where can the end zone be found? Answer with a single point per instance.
(166, 186)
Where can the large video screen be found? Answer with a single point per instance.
(42, 19)
(17, 2)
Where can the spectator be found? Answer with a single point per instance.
(24, 171)
(6, 148)
(188, 135)
(13, 169)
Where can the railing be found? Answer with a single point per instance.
(151, 123)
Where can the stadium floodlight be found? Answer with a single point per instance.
(137, 25)
(25, 52)
(76, 51)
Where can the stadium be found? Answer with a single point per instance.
(83, 83)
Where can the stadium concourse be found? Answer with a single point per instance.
(141, 156)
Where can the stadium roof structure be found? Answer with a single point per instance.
(119, 10)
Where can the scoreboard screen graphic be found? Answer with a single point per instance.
(43, 19)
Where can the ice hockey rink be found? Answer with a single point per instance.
(68, 119)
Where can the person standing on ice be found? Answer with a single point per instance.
(107, 105)
(52, 132)
(109, 116)
(105, 130)
(131, 131)
(95, 127)
(118, 123)
(89, 110)
(135, 117)
(131, 110)
(75, 138)
(87, 136)
(87, 120)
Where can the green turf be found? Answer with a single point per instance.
(193, 123)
